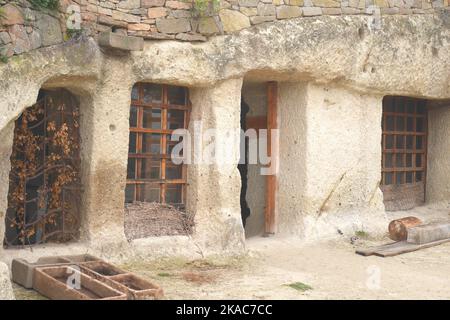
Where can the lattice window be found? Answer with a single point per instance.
(44, 182)
(156, 110)
(404, 140)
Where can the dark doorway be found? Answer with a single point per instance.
(243, 164)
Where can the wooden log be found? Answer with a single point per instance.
(398, 229)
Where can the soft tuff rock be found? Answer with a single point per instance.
(6, 291)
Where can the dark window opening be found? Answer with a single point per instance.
(156, 111)
(44, 182)
(404, 146)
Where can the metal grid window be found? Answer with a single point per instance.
(156, 110)
(404, 140)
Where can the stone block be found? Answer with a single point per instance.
(428, 233)
(159, 12)
(311, 11)
(49, 29)
(180, 14)
(109, 21)
(138, 27)
(266, 9)
(381, 3)
(12, 15)
(171, 26)
(20, 39)
(248, 3)
(129, 4)
(152, 3)
(178, 5)
(326, 3)
(261, 19)
(287, 12)
(249, 12)
(332, 11)
(233, 20)
(130, 18)
(116, 41)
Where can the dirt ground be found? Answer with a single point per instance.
(331, 269)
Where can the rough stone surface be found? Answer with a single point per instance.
(233, 20)
(190, 37)
(173, 25)
(326, 3)
(6, 291)
(214, 191)
(12, 15)
(311, 11)
(152, 3)
(178, 4)
(49, 29)
(287, 12)
(438, 168)
(329, 67)
(248, 3)
(159, 12)
(129, 4)
(208, 26)
(266, 9)
(99, 16)
(117, 41)
(259, 19)
(5, 38)
(314, 198)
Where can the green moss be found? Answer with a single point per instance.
(72, 33)
(46, 4)
(3, 57)
(299, 286)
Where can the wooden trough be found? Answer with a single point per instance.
(98, 279)
(54, 283)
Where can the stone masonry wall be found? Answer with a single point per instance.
(25, 27)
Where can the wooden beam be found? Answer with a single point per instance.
(271, 180)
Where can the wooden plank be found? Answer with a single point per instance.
(371, 250)
(257, 123)
(271, 180)
(397, 248)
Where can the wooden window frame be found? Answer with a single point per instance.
(164, 132)
(394, 102)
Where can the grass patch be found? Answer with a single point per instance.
(299, 286)
(164, 274)
(362, 234)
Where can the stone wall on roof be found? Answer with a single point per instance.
(25, 27)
